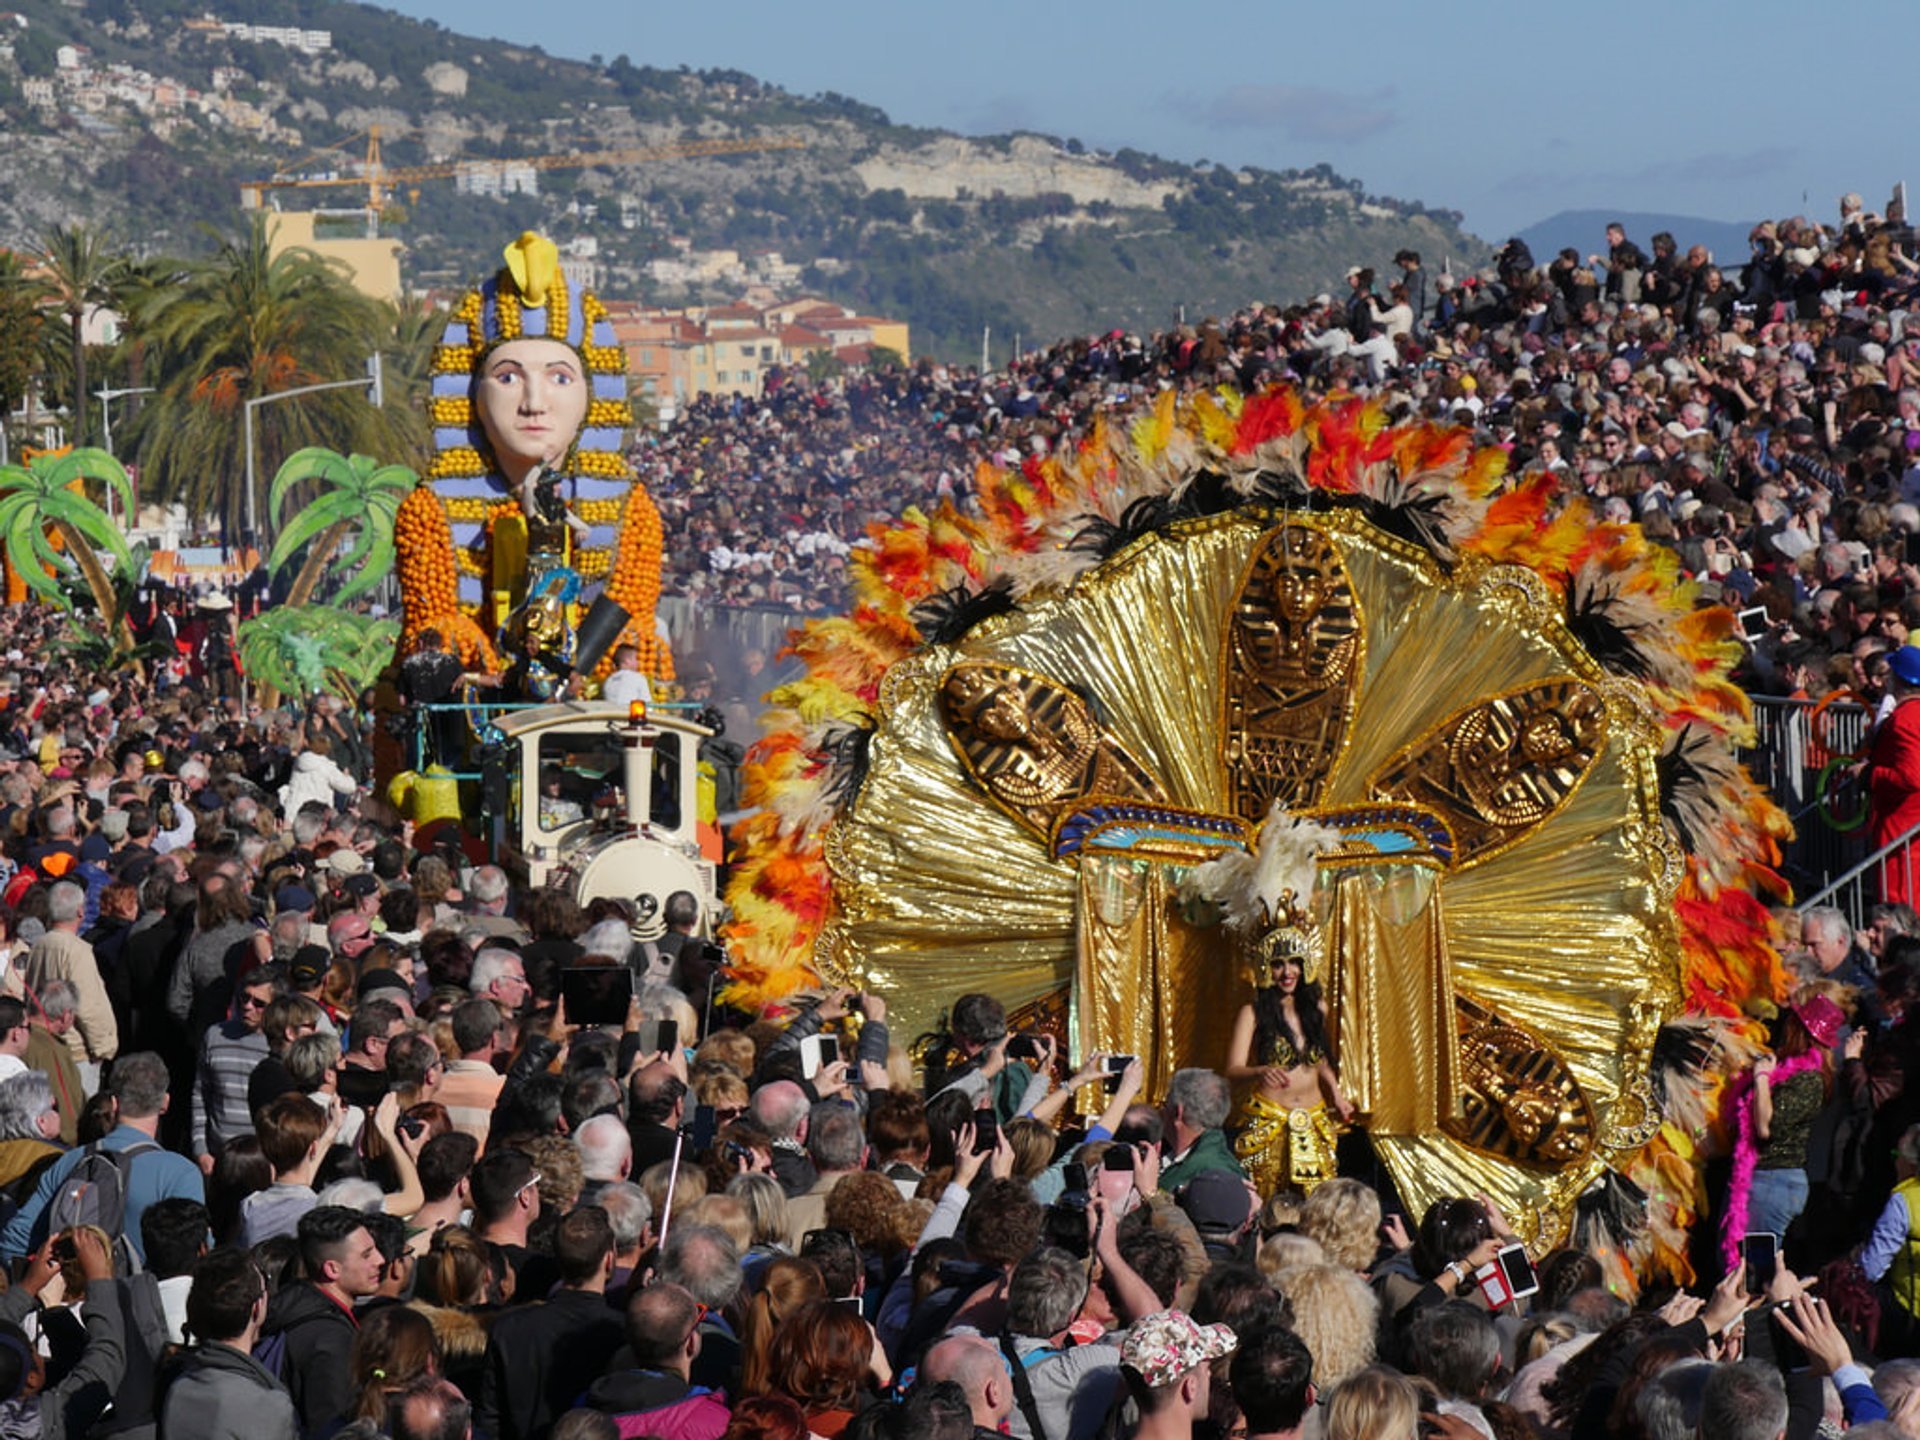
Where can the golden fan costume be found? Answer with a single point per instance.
(1024, 761)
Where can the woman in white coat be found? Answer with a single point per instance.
(316, 777)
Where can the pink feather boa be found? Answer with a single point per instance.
(1746, 1153)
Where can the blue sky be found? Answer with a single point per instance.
(1509, 113)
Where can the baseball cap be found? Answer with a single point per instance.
(293, 897)
(360, 885)
(309, 963)
(1905, 664)
(345, 862)
(1216, 1201)
(1168, 1343)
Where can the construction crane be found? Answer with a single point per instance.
(378, 178)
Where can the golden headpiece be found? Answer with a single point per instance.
(1267, 896)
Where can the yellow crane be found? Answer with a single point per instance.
(378, 178)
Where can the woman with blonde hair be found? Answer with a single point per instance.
(767, 1218)
(1374, 1403)
(1344, 1216)
(1289, 1250)
(1336, 1314)
(787, 1285)
(1033, 1142)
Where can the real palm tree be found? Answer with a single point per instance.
(41, 499)
(22, 318)
(243, 324)
(80, 269)
(360, 496)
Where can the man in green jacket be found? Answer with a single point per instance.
(1196, 1107)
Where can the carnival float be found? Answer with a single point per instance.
(1249, 672)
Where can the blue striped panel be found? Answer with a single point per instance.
(470, 487)
(587, 487)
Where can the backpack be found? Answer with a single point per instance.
(95, 1193)
(271, 1353)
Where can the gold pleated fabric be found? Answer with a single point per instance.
(1147, 983)
(1565, 931)
(1391, 994)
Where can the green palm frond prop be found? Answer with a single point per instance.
(315, 649)
(358, 495)
(35, 502)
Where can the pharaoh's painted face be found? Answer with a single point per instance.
(531, 397)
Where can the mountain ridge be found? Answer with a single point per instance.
(155, 113)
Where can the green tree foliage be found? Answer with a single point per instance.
(21, 320)
(245, 324)
(316, 649)
(44, 498)
(81, 269)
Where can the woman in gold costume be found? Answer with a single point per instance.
(1280, 1043)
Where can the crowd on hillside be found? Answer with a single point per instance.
(1761, 414)
(297, 1138)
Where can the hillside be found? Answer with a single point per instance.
(156, 111)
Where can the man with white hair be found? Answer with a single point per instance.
(500, 975)
(61, 954)
(781, 1108)
(606, 1155)
(487, 906)
(631, 1215)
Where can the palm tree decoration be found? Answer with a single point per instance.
(39, 500)
(315, 649)
(358, 494)
(247, 323)
(81, 272)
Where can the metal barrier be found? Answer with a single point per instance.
(481, 713)
(1857, 891)
(1793, 747)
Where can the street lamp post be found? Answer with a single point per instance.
(107, 395)
(371, 380)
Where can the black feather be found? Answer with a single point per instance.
(1207, 493)
(1614, 645)
(949, 614)
(1105, 538)
(1679, 774)
(1273, 487)
(1611, 1213)
(1420, 521)
(846, 748)
(1680, 1052)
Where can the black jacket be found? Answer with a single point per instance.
(541, 1358)
(319, 1338)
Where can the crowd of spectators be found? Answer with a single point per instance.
(1760, 414)
(296, 1139)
